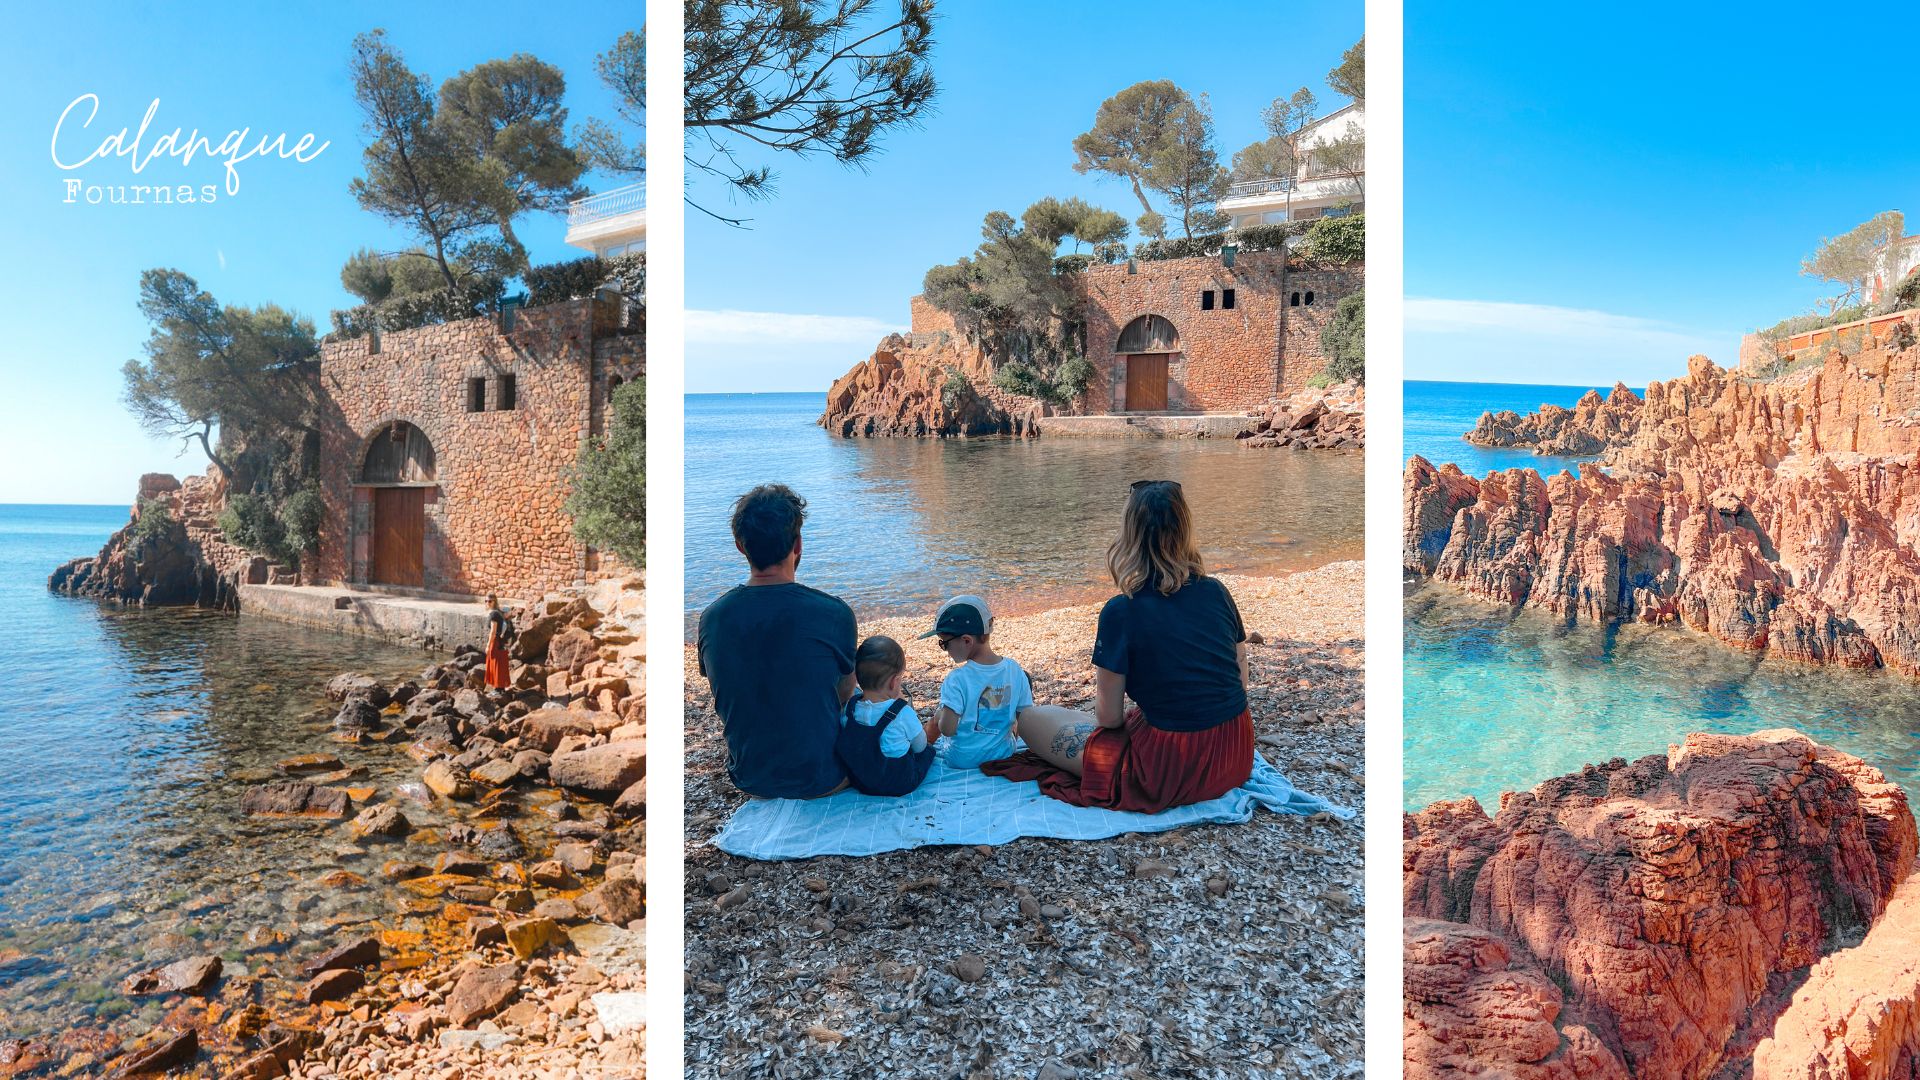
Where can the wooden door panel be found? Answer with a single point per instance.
(1147, 382)
(399, 536)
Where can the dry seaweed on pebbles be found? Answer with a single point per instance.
(1209, 952)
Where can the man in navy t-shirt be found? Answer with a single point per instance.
(779, 657)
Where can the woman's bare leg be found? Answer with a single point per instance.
(1057, 734)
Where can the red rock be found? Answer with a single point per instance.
(362, 952)
(169, 1052)
(1781, 517)
(601, 772)
(1672, 897)
(619, 901)
(1471, 1010)
(332, 985)
(294, 798)
(481, 993)
(1857, 1017)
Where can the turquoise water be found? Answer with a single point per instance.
(897, 525)
(1438, 414)
(1499, 701)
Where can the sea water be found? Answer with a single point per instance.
(897, 525)
(131, 736)
(1498, 700)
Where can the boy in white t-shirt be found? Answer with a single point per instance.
(981, 698)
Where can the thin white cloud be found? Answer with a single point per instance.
(776, 328)
(1495, 341)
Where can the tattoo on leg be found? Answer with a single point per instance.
(1069, 741)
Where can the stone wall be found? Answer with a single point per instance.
(1228, 360)
(495, 509)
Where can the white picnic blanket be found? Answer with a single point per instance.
(966, 806)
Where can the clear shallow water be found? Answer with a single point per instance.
(900, 524)
(1438, 414)
(131, 736)
(1499, 702)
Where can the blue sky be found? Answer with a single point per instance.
(70, 280)
(1595, 191)
(827, 266)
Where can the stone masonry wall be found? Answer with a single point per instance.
(496, 517)
(1267, 346)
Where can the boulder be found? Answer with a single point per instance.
(633, 801)
(482, 993)
(1669, 899)
(193, 975)
(571, 650)
(601, 772)
(295, 798)
(353, 685)
(618, 902)
(531, 936)
(498, 772)
(445, 781)
(332, 985)
(357, 714)
(384, 820)
(360, 952)
(165, 1053)
(544, 728)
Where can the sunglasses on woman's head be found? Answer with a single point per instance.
(1138, 484)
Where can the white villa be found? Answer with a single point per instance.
(610, 223)
(1896, 260)
(1316, 192)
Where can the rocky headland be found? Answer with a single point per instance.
(1317, 418)
(1776, 516)
(1740, 905)
(179, 558)
(1210, 952)
(925, 386)
(500, 936)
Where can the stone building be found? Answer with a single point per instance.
(1193, 335)
(445, 450)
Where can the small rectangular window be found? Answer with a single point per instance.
(1206, 300)
(1226, 299)
(508, 392)
(476, 395)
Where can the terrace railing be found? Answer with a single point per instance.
(607, 204)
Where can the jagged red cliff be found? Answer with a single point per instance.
(1651, 918)
(178, 559)
(1779, 517)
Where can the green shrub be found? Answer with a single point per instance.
(155, 519)
(576, 279)
(1341, 240)
(1060, 387)
(250, 522)
(609, 499)
(1109, 252)
(1343, 341)
(1907, 293)
(300, 519)
(1072, 379)
(1071, 264)
(1271, 237)
(956, 390)
(1183, 247)
(477, 295)
(1320, 381)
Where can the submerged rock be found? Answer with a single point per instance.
(294, 798)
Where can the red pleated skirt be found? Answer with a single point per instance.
(1138, 767)
(498, 673)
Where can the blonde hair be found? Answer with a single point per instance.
(1155, 546)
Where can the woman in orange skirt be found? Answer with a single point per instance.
(1172, 641)
(499, 633)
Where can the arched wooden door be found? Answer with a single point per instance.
(399, 466)
(1147, 343)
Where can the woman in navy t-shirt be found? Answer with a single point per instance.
(1172, 641)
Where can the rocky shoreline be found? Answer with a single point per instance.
(1732, 907)
(1202, 952)
(940, 386)
(1780, 517)
(511, 944)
